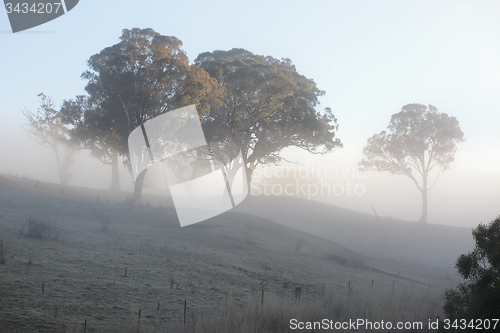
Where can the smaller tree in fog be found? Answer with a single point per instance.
(418, 140)
(47, 128)
(91, 129)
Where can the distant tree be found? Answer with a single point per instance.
(267, 107)
(144, 75)
(47, 128)
(479, 296)
(92, 129)
(418, 139)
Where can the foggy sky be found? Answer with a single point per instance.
(371, 58)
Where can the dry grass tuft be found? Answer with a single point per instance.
(276, 312)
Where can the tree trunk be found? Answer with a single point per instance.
(115, 172)
(423, 218)
(139, 182)
(249, 172)
(59, 169)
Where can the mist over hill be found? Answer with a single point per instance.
(103, 259)
(432, 244)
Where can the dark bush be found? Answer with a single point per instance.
(41, 228)
(338, 259)
(478, 297)
(353, 260)
(103, 219)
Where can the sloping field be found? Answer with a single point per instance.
(99, 261)
(431, 244)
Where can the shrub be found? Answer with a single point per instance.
(41, 228)
(479, 296)
(103, 219)
(352, 260)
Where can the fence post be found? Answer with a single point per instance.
(184, 313)
(298, 293)
(139, 322)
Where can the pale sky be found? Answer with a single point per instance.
(371, 58)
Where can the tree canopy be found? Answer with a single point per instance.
(479, 296)
(418, 140)
(267, 107)
(256, 104)
(144, 75)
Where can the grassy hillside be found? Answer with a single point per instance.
(100, 261)
(431, 244)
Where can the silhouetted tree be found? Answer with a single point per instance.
(267, 106)
(418, 139)
(47, 128)
(479, 296)
(144, 75)
(92, 129)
